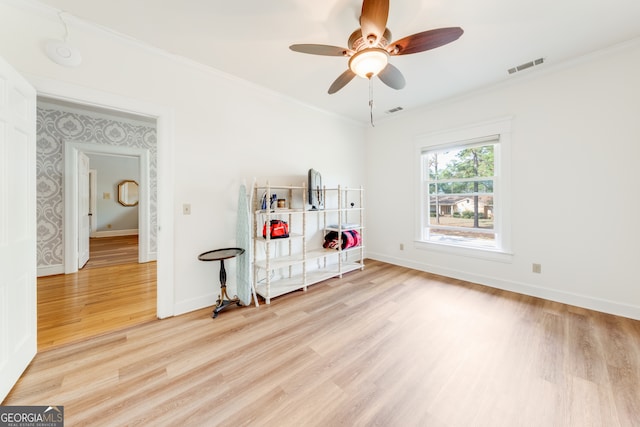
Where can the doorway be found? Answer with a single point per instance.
(72, 153)
(111, 217)
(113, 223)
(164, 125)
(101, 304)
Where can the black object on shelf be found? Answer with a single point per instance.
(315, 189)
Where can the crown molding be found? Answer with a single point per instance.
(52, 13)
(531, 74)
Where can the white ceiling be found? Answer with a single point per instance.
(250, 39)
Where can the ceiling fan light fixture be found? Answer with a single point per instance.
(369, 62)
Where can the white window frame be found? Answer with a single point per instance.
(499, 130)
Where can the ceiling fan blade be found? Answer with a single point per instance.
(321, 49)
(392, 77)
(373, 19)
(425, 40)
(341, 81)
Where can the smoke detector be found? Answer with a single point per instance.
(63, 53)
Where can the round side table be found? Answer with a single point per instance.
(220, 255)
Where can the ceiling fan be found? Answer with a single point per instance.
(369, 48)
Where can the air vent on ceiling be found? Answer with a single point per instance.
(526, 65)
(394, 110)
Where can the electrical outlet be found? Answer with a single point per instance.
(186, 209)
(106, 196)
(536, 268)
(402, 246)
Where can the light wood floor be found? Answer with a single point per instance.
(387, 346)
(116, 250)
(111, 292)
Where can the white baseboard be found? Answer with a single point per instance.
(194, 304)
(584, 301)
(113, 233)
(50, 270)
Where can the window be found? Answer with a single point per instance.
(463, 189)
(459, 183)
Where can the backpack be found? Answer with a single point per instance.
(350, 239)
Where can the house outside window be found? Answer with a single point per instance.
(464, 192)
(459, 183)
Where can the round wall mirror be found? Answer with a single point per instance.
(128, 193)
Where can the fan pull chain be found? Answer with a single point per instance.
(371, 101)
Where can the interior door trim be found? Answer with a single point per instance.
(165, 180)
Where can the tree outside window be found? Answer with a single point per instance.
(459, 194)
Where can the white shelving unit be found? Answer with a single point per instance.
(289, 264)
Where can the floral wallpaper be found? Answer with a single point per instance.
(56, 125)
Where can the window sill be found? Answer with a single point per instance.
(480, 253)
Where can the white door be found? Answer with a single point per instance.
(93, 202)
(84, 217)
(18, 323)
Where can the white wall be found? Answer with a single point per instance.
(575, 204)
(111, 171)
(575, 142)
(225, 132)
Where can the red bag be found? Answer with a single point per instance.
(278, 229)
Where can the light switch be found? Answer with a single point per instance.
(106, 196)
(186, 209)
